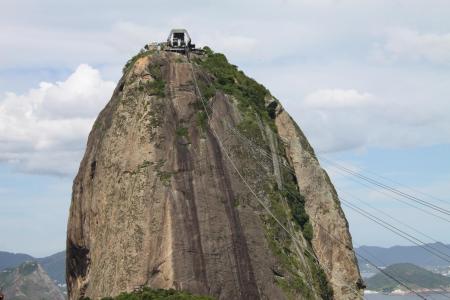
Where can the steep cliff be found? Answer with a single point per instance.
(229, 202)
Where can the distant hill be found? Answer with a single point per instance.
(28, 281)
(11, 260)
(413, 276)
(405, 254)
(54, 265)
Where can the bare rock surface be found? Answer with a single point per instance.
(158, 202)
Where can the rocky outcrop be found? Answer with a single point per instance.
(322, 205)
(28, 282)
(165, 196)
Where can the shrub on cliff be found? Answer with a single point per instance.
(157, 294)
(229, 79)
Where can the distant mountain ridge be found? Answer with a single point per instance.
(404, 254)
(411, 275)
(12, 260)
(54, 265)
(28, 281)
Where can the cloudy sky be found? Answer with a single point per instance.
(367, 80)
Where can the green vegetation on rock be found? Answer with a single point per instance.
(296, 203)
(219, 75)
(325, 289)
(413, 276)
(132, 60)
(163, 175)
(182, 132)
(156, 294)
(27, 268)
(229, 79)
(281, 245)
(156, 87)
(202, 119)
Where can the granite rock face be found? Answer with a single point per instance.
(322, 205)
(168, 198)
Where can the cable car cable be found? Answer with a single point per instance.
(264, 153)
(394, 230)
(249, 187)
(394, 218)
(391, 189)
(374, 265)
(397, 198)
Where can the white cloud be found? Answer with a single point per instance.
(300, 49)
(36, 46)
(335, 98)
(338, 119)
(234, 44)
(44, 129)
(412, 45)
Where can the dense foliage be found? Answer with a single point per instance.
(158, 85)
(156, 294)
(296, 202)
(229, 79)
(326, 292)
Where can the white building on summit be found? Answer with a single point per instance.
(180, 41)
(179, 38)
(177, 41)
